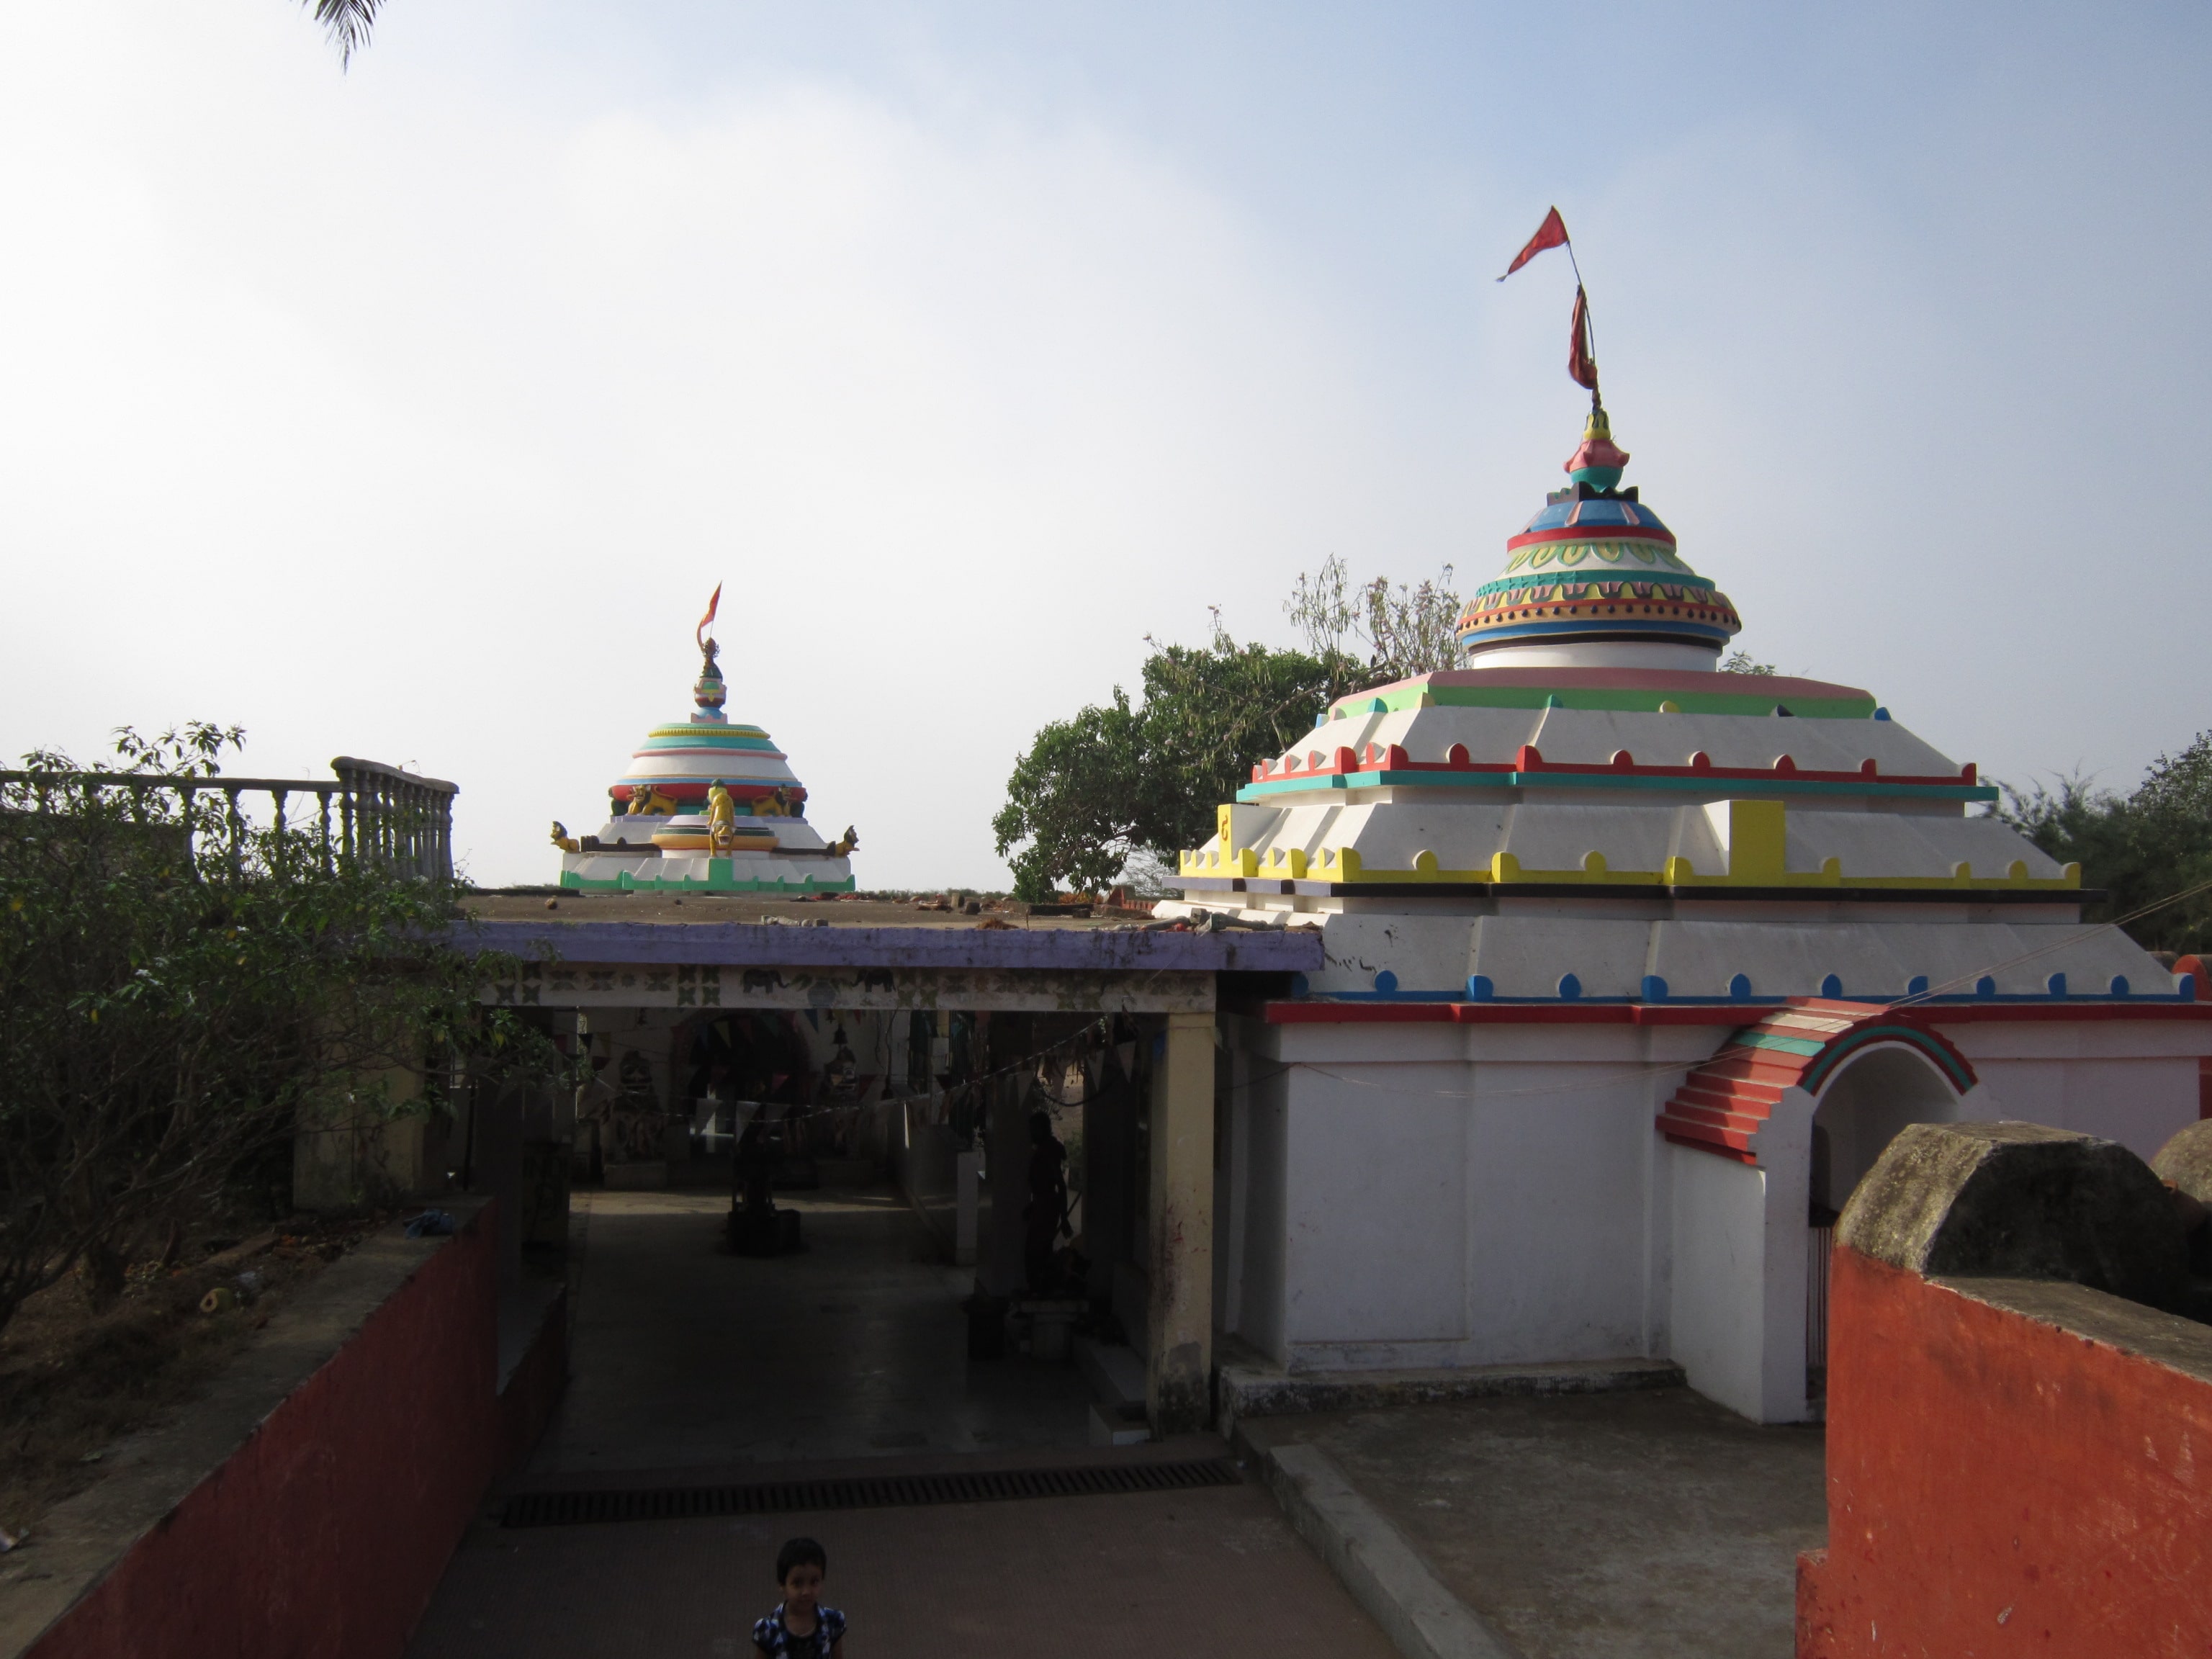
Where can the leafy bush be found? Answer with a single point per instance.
(1117, 782)
(178, 988)
(2138, 848)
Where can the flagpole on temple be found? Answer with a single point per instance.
(1582, 348)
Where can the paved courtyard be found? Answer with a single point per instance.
(685, 1356)
(1640, 1525)
(691, 1367)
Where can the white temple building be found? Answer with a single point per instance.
(1633, 968)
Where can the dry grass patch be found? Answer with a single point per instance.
(74, 1379)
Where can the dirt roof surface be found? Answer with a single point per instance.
(837, 910)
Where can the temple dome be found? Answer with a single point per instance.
(671, 830)
(1594, 580)
(682, 760)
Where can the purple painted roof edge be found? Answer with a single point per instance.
(732, 943)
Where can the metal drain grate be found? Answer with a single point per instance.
(580, 1508)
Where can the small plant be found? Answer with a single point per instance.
(1406, 630)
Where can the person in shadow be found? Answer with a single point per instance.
(1044, 1218)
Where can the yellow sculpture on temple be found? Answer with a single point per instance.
(721, 818)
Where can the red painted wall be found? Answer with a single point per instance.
(1999, 1485)
(533, 1393)
(327, 1531)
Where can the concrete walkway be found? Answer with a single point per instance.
(687, 1356)
(1648, 1524)
(691, 1367)
(1210, 1571)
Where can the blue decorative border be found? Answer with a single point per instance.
(1655, 992)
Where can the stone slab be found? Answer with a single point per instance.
(2020, 1200)
(1249, 1390)
(1114, 1371)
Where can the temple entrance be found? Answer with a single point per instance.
(1864, 1106)
(800, 1234)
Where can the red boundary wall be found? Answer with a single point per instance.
(2000, 1483)
(326, 1532)
(533, 1392)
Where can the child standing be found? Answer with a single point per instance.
(801, 1627)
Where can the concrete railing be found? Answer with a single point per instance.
(368, 812)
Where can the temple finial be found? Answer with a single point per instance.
(709, 692)
(1597, 461)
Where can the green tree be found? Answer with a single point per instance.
(1078, 798)
(1117, 782)
(1740, 661)
(2137, 848)
(178, 989)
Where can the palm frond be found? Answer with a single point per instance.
(346, 23)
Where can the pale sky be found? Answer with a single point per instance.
(413, 412)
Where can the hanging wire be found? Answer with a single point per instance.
(1629, 1073)
(2046, 949)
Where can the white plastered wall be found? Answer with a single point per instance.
(1722, 1251)
(2131, 1081)
(1431, 1194)
(1467, 1198)
(1741, 1237)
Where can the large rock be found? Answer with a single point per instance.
(2018, 1201)
(2186, 1161)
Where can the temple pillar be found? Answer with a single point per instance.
(1179, 1359)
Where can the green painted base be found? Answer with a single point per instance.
(1731, 694)
(718, 880)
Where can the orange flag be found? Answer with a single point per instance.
(712, 605)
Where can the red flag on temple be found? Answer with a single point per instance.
(1553, 233)
(1582, 364)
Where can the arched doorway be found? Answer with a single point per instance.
(1867, 1100)
(1875, 1094)
(1747, 1204)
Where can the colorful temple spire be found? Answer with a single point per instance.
(708, 803)
(1595, 578)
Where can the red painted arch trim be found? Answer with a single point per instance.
(1592, 532)
(1721, 1104)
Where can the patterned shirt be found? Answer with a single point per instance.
(770, 1636)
